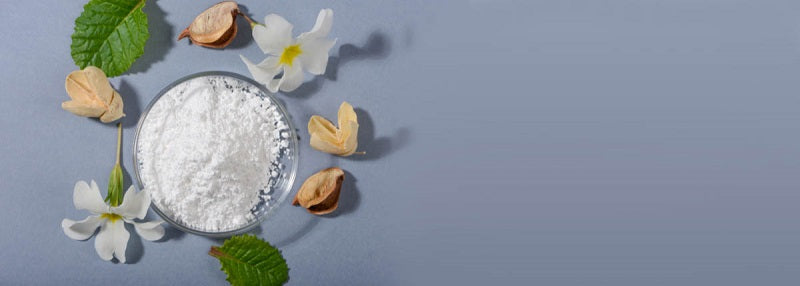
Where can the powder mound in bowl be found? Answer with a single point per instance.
(208, 151)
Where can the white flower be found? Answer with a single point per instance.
(112, 239)
(309, 51)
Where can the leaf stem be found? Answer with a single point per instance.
(216, 252)
(252, 23)
(119, 139)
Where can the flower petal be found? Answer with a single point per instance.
(104, 242)
(81, 230)
(274, 35)
(274, 84)
(134, 204)
(265, 71)
(315, 54)
(292, 78)
(88, 198)
(151, 230)
(318, 142)
(321, 28)
(112, 240)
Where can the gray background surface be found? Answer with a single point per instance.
(509, 142)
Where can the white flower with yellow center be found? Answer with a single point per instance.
(309, 51)
(112, 239)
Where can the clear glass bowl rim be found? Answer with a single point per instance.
(293, 153)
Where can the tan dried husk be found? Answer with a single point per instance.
(215, 27)
(341, 141)
(92, 95)
(319, 194)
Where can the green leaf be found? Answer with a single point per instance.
(248, 260)
(110, 34)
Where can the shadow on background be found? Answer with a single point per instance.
(349, 198)
(160, 41)
(376, 147)
(135, 249)
(243, 31)
(130, 101)
(299, 233)
(170, 233)
(376, 47)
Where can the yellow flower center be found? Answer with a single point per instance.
(111, 217)
(289, 53)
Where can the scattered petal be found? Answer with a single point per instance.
(274, 35)
(134, 204)
(265, 71)
(104, 242)
(322, 27)
(112, 240)
(88, 198)
(81, 230)
(315, 55)
(292, 78)
(151, 230)
(121, 237)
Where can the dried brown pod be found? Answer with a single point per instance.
(92, 95)
(319, 194)
(215, 27)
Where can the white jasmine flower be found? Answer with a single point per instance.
(112, 239)
(289, 55)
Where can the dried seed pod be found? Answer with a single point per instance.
(114, 109)
(92, 95)
(319, 194)
(341, 141)
(215, 27)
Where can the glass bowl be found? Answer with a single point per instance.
(277, 192)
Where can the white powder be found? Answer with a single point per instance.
(208, 151)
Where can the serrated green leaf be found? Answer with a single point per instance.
(248, 260)
(110, 34)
